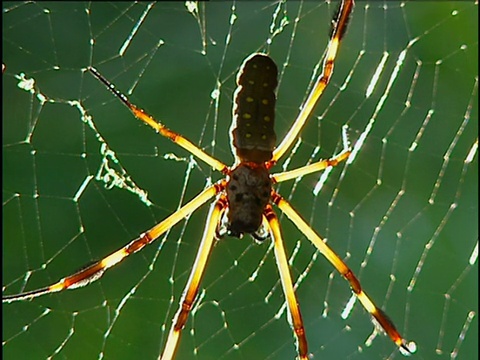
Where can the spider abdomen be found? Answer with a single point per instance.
(248, 193)
(252, 132)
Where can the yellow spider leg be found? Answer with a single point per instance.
(339, 27)
(308, 169)
(191, 289)
(97, 269)
(286, 279)
(159, 127)
(380, 317)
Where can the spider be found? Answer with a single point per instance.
(243, 200)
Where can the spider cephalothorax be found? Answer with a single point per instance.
(248, 192)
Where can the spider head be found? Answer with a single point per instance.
(248, 192)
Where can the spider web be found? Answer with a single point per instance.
(82, 177)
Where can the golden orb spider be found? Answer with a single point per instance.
(243, 199)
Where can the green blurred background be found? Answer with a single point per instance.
(49, 152)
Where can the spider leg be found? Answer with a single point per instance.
(287, 285)
(339, 25)
(96, 270)
(317, 166)
(308, 169)
(191, 289)
(159, 127)
(406, 348)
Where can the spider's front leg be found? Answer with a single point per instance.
(287, 284)
(196, 275)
